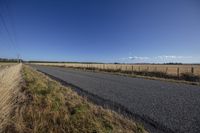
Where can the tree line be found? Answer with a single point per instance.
(10, 60)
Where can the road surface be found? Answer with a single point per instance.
(170, 107)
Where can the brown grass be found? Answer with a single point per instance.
(168, 69)
(48, 107)
(9, 86)
(5, 65)
(189, 74)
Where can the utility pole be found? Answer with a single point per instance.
(18, 58)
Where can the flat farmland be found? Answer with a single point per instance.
(174, 70)
(3, 65)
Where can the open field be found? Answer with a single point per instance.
(9, 87)
(3, 65)
(45, 106)
(184, 72)
(168, 69)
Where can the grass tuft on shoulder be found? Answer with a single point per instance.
(46, 106)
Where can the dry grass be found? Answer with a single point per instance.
(9, 86)
(189, 73)
(4, 65)
(168, 69)
(48, 107)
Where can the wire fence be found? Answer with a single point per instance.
(175, 70)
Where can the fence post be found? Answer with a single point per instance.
(166, 70)
(192, 70)
(132, 69)
(139, 68)
(178, 72)
(147, 69)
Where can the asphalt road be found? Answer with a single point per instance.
(173, 107)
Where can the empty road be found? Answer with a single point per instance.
(173, 107)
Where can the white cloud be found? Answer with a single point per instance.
(172, 57)
(138, 58)
(158, 59)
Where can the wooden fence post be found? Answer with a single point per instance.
(192, 70)
(178, 71)
(132, 68)
(166, 70)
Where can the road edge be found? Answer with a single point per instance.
(149, 124)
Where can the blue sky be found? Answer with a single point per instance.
(101, 30)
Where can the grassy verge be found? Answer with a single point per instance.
(45, 106)
(186, 78)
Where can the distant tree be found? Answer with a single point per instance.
(173, 63)
(10, 60)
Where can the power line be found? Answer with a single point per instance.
(12, 41)
(10, 17)
(6, 28)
